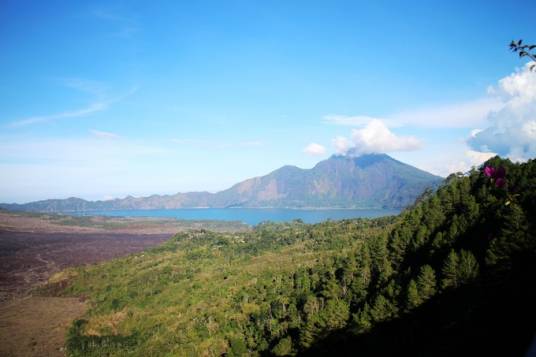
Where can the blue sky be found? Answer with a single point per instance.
(105, 99)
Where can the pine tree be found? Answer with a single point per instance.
(512, 235)
(453, 229)
(335, 314)
(379, 257)
(398, 244)
(308, 334)
(420, 237)
(359, 287)
(382, 309)
(467, 267)
(347, 275)
(311, 306)
(439, 241)
(450, 271)
(330, 288)
(426, 282)
(362, 321)
(413, 298)
(283, 347)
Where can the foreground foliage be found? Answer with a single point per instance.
(454, 274)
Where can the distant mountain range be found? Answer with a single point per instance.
(368, 181)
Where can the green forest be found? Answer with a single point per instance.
(454, 274)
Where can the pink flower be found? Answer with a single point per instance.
(497, 175)
(500, 182)
(489, 171)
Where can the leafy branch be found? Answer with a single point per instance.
(524, 51)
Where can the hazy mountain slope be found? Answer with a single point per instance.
(368, 181)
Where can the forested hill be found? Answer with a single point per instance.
(452, 275)
(369, 181)
(457, 274)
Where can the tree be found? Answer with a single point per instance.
(459, 269)
(413, 298)
(237, 347)
(308, 334)
(467, 267)
(426, 282)
(283, 347)
(420, 237)
(382, 309)
(512, 236)
(524, 51)
(422, 289)
(450, 271)
(335, 314)
(362, 321)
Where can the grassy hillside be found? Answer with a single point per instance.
(196, 293)
(454, 274)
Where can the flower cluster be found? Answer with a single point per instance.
(496, 175)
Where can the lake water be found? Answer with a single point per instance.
(252, 216)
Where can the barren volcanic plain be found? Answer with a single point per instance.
(33, 247)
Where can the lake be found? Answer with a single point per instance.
(251, 216)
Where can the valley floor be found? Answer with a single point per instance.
(29, 259)
(36, 326)
(33, 247)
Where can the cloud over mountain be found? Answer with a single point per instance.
(512, 131)
(375, 137)
(314, 149)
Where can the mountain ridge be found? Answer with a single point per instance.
(367, 181)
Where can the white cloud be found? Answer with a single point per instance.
(342, 144)
(512, 132)
(473, 132)
(314, 149)
(476, 158)
(471, 159)
(519, 86)
(443, 159)
(90, 109)
(103, 134)
(96, 106)
(375, 137)
(457, 115)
